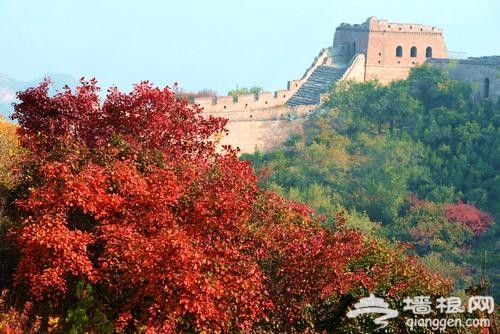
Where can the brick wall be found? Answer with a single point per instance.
(379, 40)
(484, 72)
(384, 51)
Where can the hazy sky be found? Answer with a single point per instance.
(210, 44)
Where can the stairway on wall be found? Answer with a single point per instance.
(319, 82)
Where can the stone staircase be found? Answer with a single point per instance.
(319, 82)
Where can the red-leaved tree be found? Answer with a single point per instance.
(468, 215)
(132, 198)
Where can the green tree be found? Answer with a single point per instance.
(399, 109)
(380, 183)
(244, 90)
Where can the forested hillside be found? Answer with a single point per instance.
(415, 161)
(126, 216)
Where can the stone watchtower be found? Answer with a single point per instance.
(390, 49)
(375, 49)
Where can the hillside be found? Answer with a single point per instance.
(125, 215)
(415, 161)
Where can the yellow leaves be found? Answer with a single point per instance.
(217, 137)
(8, 151)
(53, 322)
(8, 134)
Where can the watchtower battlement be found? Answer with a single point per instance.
(374, 49)
(374, 24)
(391, 49)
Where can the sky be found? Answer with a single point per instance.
(217, 45)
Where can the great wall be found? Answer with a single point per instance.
(375, 49)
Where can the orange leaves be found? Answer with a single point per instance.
(131, 196)
(49, 253)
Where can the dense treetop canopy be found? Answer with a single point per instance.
(125, 215)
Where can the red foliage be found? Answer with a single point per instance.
(132, 196)
(467, 214)
(305, 263)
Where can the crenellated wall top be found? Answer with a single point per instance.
(374, 24)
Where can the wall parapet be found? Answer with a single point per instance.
(269, 114)
(486, 60)
(363, 51)
(374, 24)
(322, 56)
(353, 66)
(243, 101)
(248, 102)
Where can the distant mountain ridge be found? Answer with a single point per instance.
(9, 86)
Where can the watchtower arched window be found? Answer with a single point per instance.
(428, 52)
(413, 51)
(486, 88)
(399, 51)
(353, 48)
